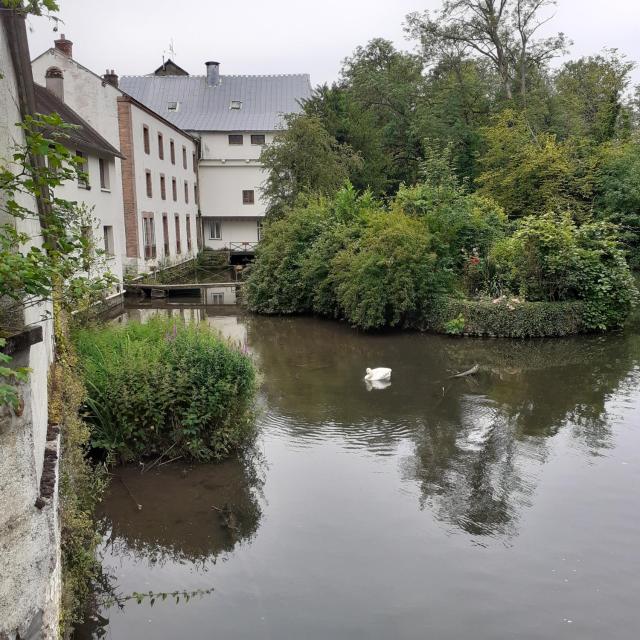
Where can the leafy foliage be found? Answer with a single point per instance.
(165, 384)
(618, 194)
(304, 157)
(67, 256)
(389, 275)
(550, 258)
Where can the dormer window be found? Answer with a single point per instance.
(236, 105)
(172, 105)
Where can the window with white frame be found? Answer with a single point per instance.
(215, 230)
(108, 240)
(104, 174)
(259, 225)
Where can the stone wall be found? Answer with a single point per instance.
(29, 527)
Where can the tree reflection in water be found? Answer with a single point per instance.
(478, 442)
(189, 513)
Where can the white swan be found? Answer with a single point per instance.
(379, 385)
(381, 373)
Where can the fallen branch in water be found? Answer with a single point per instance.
(131, 494)
(468, 372)
(157, 460)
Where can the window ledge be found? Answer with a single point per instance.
(105, 190)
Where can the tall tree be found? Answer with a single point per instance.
(385, 86)
(501, 31)
(590, 92)
(304, 158)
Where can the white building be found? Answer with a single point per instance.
(96, 188)
(154, 181)
(234, 117)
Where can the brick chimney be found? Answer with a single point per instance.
(64, 46)
(111, 77)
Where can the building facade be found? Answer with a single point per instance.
(102, 201)
(154, 181)
(233, 117)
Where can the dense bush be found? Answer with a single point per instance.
(618, 198)
(165, 384)
(389, 275)
(549, 258)
(375, 266)
(291, 273)
(505, 318)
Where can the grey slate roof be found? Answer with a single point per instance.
(82, 136)
(265, 99)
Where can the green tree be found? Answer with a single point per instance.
(457, 102)
(304, 158)
(618, 194)
(500, 31)
(530, 173)
(385, 86)
(590, 96)
(390, 276)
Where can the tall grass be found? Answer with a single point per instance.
(165, 384)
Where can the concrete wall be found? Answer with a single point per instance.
(226, 170)
(234, 230)
(29, 537)
(155, 204)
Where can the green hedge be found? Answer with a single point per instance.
(506, 318)
(165, 384)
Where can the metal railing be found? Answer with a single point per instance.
(243, 247)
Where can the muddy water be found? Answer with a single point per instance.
(504, 505)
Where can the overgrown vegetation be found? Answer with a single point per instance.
(165, 385)
(406, 264)
(482, 171)
(81, 484)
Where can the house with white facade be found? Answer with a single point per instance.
(154, 179)
(233, 116)
(95, 187)
(159, 179)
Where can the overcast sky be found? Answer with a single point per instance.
(284, 36)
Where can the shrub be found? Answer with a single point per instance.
(462, 224)
(537, 261)
(549, 258)
(292, 262)
(618, 199)
(506, 318)
(165, 384)
(389, 275)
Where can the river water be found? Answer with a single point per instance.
(500, 506)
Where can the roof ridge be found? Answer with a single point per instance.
(228, 75)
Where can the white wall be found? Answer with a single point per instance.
(226, 170)
(105, 206)
(83, 92)
(29, 543)
(233, 230)
(95, 102)
(215, 146)
(155, 204)
(221, 188)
